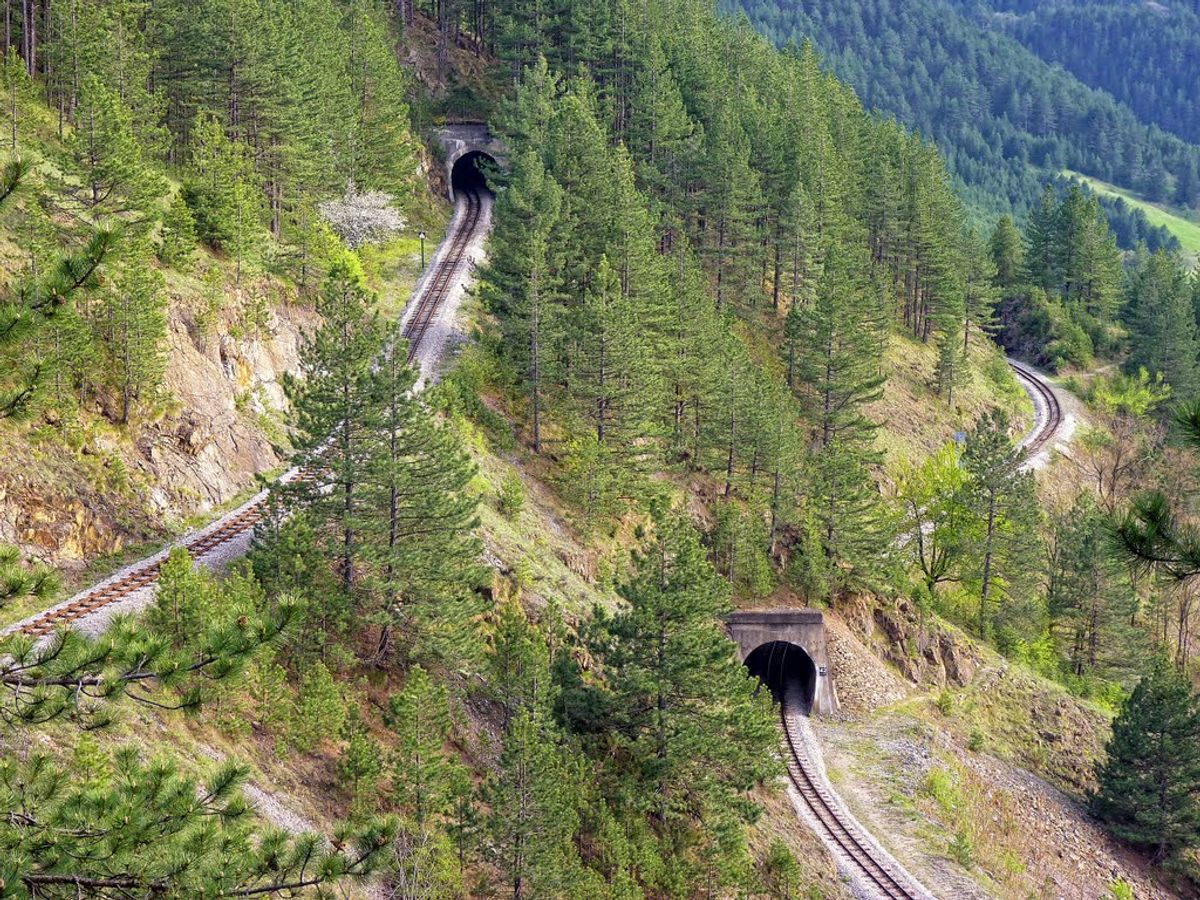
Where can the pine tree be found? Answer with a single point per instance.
(116, 181)
(380, 153)
(729, 212)
(223, 190)
(186, 597)
(139, 827)
(1089, 600)
(837, 374)
(684, 711)
(360, 763)
(517, 281)
(152, 663)
(336, 416)
(661, 135)
(136, 325)
(1005, 507)
(418, 516)
(1162, 324)
(20, 580)
(610, 368)
(952, 369)
(1043, 263)
(534, 813)
(424, 774)
(1149, 792)
(321, 712)
(981, 290)
(177, 240)
(1008, 255)
(19, 96)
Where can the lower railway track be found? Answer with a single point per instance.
(443, 278)
(870, 868)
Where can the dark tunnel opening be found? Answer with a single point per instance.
(469, 173)
(785, 669)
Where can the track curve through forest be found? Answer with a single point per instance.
(426, 324)
(1048, 419)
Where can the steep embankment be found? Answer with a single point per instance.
(217, 427)
(969, 768)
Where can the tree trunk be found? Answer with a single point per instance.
(985, 593)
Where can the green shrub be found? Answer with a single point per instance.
(961, 850)
(945, 703)
(941, 786)
(510, 496)
(976, 741)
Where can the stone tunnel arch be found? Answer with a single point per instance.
(466, 143)
(782, 667)
(469, 171)
(763, 637)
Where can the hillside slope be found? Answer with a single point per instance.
(1007, 120)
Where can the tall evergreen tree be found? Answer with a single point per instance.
(1006, 508)
(415, 514)
(518, 281)
(335, 413)
(1149, 791)
(837, 375)
(1162, 324)
(1008, 255)
(685, 714)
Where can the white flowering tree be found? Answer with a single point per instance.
(363, 218)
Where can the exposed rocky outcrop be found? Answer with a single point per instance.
(68, 501)
(927, 652)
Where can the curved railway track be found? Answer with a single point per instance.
(239, 523)
(1047, 409)
(835, 826)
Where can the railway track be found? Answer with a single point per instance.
(444, 276)
(876, 873)
(239, 523)
(1047, 409)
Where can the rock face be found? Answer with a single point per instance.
(225, 401)
(927, 653)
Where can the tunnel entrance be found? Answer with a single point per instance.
(468, 173)
(784, 667)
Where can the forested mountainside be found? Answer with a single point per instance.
(1157, 44)
(1006, 118)
(477, 638)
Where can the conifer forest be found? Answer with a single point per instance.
(631, 449)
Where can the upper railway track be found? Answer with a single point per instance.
(448, 270)
(1047, 410)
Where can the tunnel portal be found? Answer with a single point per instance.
(465, 145)
(469, 171)
(784, 668)
(784, 647)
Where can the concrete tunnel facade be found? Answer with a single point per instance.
(782, 645)
(466, 144)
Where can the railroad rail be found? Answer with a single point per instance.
(443, 277)
(1045, 403)
(835, 827)
(239, 523)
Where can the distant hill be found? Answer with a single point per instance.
(1157, 45)
(1006, 119)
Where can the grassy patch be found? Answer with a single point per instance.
(1184, 224)
(916, 422)
(393, 268)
